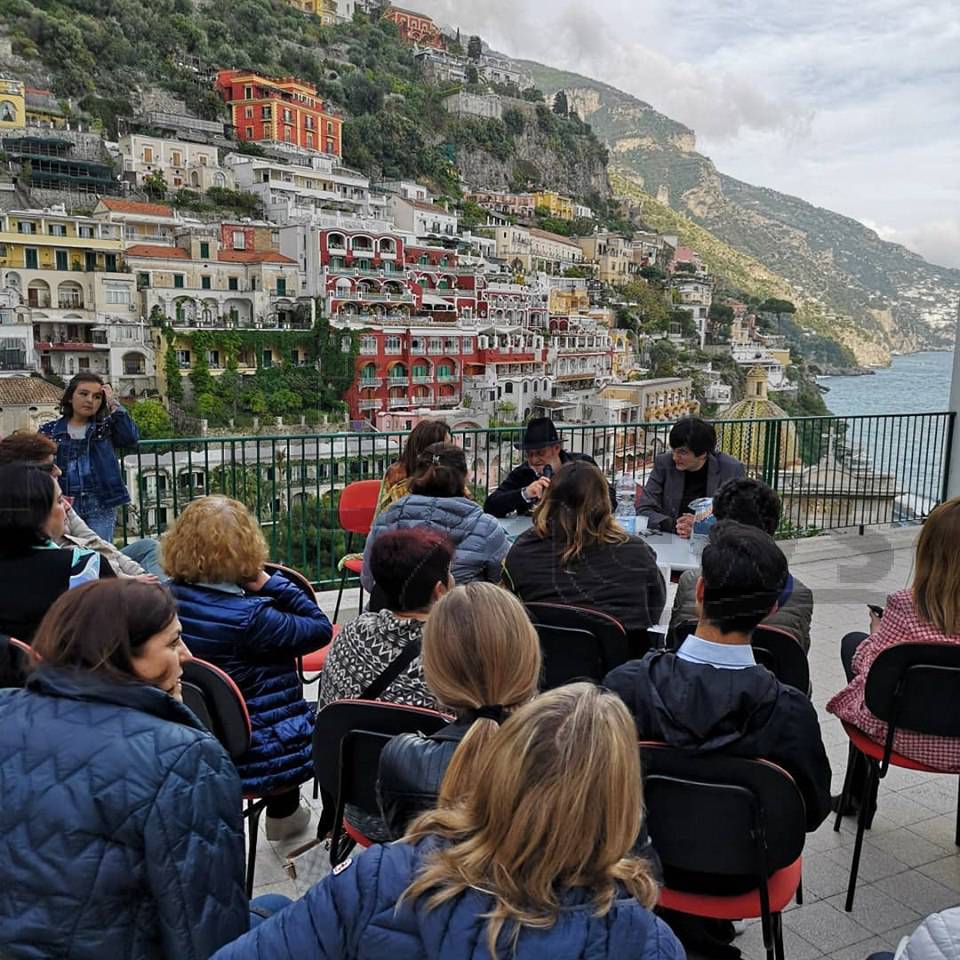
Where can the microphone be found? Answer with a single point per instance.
(547, 471)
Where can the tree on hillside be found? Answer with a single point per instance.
(720, 314)
(156, 185)
(363, 95)
(663, 359)
(773, 305)
(473, 75)
(474, 47)
(650, 311)
(561, 106)
(152, 420)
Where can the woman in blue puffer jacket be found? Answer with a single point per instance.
(438, 496)
(534, 865)
(253, 626)
(121, 833)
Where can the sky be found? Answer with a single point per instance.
(853, 105)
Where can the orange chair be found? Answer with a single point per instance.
(358, 507)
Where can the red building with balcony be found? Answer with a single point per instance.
(283, 111)
(416, 28)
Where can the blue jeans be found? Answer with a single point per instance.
(146, 552)
(100, 519)
(263, 908)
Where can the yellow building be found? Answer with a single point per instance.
(12, 105)
(558, 206)
(624, 353)
(326, 10)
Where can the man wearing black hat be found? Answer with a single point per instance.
(525, 484)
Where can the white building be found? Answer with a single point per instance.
(26, 403)
(194, 166)
(694, 292)
(423, 220)
(485, 105)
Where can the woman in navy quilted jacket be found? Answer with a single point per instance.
(121, 833)
(534, 865)
(253, 626)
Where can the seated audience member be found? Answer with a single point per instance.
(693, 469)
(438, 497)
(124, 836)
(576, 553)
(927, 612)
(33, 570)
(526, 483)
(757, 505)
(137, 559)
(412, 567)
(396, 482)
(481, 660)
(710, 697)
(253, 626)
(535, 864)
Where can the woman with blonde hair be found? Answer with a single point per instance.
(396, 482)
(481, 660)
(926, 612)
(533, 864)
(577, 554)
(253, 626)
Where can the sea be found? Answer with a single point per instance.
(910, 448)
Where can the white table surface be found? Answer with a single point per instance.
(672, 552)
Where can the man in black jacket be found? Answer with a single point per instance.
(711, 697)
(525, 484)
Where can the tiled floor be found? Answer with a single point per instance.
(910, 866)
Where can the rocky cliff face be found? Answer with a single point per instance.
(881, 296)
(578, 170)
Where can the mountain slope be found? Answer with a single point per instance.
(896, 299)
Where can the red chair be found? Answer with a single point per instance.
(358, 507)
(764, 828)
(914, 687)
(218, 704)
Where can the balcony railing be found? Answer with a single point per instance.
(368, 383)
(830, 472)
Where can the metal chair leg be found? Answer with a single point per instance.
(360, 608)
(251, 813)
(343, 580)
(956, 836)
(872, 779)
(778, 935)
(799, 895)
(847, 783)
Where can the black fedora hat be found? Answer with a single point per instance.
(540, 433)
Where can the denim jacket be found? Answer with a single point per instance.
(90, 465)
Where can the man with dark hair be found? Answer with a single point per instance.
(711, 698)
(525, 484)
(693, 469)
(753, 503)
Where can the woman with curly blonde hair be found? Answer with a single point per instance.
(253, 626)
(534, 865)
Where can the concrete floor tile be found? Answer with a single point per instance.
(823, 878)
(919, 892)
(945, 871)
(940, 830)
(860, 951)
(750, 944)
(875, 864)
(939, 794)
(876, 910)
(907, 847)
(827, 928)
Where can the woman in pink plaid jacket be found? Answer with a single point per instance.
(928, 612)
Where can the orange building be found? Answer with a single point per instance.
(416, 27)
(265, 110)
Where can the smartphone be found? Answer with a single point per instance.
(873, 608)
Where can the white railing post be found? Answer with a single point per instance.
(953, 477)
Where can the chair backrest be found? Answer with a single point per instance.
(577, 642)
(721, 815)
(358, 505)
(218, 704)
(16, 659)
(778, 651)
(294, 576)
(679, 633)
(916, 686)
(348, 738)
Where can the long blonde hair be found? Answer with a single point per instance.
(557, 804)
(479, 649)
(936, 580)
(576, 511)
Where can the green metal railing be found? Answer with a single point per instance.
(831, 472)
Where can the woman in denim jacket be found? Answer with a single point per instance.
(88, 435)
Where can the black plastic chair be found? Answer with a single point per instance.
(915, 687)
(763, 822)
(218, 704)
(577, 643)
(306, 587)
(348, 739)
(16, 660)
(777, 650)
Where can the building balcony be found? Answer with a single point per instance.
(447, 401)
(427, 379)
(371, 404)
(396, 402)
(399, 381)
(352, 297)
(371, 383)
(447, 378)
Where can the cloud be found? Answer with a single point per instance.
(937, 241)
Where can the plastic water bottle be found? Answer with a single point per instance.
(703, 520)
(626, 513)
